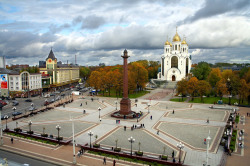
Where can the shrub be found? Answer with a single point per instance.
(60, 138)
(17, 130)
(96, 145)
(30, 132)
(139, 153)
(164, 157)
(44, 135)
(117, 149)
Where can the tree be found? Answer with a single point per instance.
(95, 80)
(110, 80)
(118, 81)
(182, 87)
(221, 88)
(192, 86)
(214, 76)
(227, 74)
(138, 75)
(84, 72)
(203, 88)
(243, 90)
(201, 71)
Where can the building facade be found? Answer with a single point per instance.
(176, 61)
(55, 74)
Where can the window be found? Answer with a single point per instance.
(174, 62)
(16, 78)
(11, 78)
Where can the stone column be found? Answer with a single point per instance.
(125, 104)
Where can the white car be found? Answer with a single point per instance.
(47, 96)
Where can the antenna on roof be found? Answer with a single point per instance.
(75, 59)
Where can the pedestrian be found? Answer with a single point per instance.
(136, 105)
(12, 140)
(207, 120)
(104, 160)
(83, 111)
(143, 125)
(173, 111)
(158, 132)
(173, 154)
(80, 104)
(173, 160)
(205, 141)
(114, 163)
(151, 117)
(78, 154)
(247, 114)
(86, 103)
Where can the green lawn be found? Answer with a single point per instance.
(178, 99)
(208, 100)
(131, 95)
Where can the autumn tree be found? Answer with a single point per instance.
(84, 72)
(214, 76)
(95, 80)
(182, 87)
(110, 78)
(192, 86)
(139, 75)
(221, 88)
(203, 88)
(243, 91)
(118, 81)
(227, 74)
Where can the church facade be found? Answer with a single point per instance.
(176, 61)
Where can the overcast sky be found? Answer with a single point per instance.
(98, 31)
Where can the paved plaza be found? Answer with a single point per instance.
(187, 125)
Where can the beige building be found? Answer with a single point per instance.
(56, 74)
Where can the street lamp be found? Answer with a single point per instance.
(131, 140)
(148, 107)
(99, 109)
(6, 117)
(180, 146)
(14, 109)
(229, 90)
(229, 96)
(208, 139)
(73, 131)
(179, 96)
(30, 123)
(90, 133)
(116, 105)
(58, 129)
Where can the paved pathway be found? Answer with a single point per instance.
(173, 129)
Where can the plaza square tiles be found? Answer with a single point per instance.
(169, 105)
(149, 143)
(54, 115)
(86, 104)
(190, 134)
(66, 128)
(201, 114)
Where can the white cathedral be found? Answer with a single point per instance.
(176, 61)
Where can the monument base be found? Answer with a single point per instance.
(125, 106)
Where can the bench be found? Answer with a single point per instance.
(154, 157)
(106, 148)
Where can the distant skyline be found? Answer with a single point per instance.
(98, 31)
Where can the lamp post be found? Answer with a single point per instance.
(148, 107)
(90, 133)
(14, 110)
(180, 146)
(6, 117)
(229, 90)
(116, 105)
(179, 96)
(32, 107)
(99, 109)
(58, 129)
(73, 131)
(208, 139)
(229, 96)
(30, 123)
(131, 140)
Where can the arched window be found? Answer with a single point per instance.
(166, 50)
(175, 47)
(174, 62)
(179, 47)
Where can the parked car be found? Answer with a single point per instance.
(52, 94)
(62, 94)
(34, 95)
(16, 113)
(46, 96)
(32, 108)
(28, 100)
(46, 103)
(58, 98)
(15, 103)
(3, 102)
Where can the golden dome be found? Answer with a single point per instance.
(167, 43)
(176, 37)
(184, 42)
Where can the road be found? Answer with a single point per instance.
(25, 106)
(18, 160)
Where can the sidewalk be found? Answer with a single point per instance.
(244, 158)
(59, 155)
